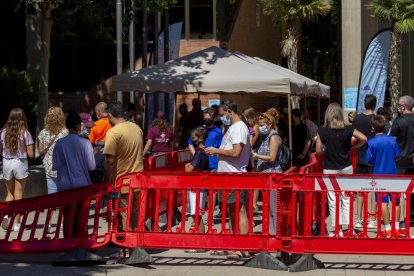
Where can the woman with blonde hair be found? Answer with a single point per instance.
(54, 130)
(334, 141)
(267, 156)
(17, 145)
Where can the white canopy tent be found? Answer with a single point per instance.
(210, 70)
(214, 70)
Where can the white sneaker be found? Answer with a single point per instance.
(340, 234)
(5, 222)
(358, 223)
(372, 224)
(16, 227)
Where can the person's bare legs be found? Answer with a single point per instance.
(374, 204)
(243, 220)
(360, 205)
(385, 213)
(18, 193)
(10, 190)
(201, 227)
(402, 208)
(255, 198)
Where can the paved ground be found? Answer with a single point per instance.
(175, 262)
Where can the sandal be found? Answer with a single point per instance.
(219, 253)
(239, 255)
(121, 254)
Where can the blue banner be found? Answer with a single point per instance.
(374, 72)
(175, 37)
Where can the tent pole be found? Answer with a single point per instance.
(305, 109)
(319, 110)
(290, 120)
(174, 117)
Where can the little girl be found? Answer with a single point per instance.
(16, 145)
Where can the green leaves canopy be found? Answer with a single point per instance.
(303, 10)
(399, 12)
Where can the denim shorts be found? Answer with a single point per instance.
(15, 168)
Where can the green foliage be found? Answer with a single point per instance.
(17, 90)
(399, 12)
(303, 10)
(96, 17)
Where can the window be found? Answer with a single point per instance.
(199, 22)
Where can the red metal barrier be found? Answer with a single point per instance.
(87, 223)
(179, 158)
(170, 161)
(218, 234)
(300, 233)
(161, 162)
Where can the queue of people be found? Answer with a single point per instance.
(221, 139)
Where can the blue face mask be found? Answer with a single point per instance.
(85, 132)
(263, 130)
(225, 120)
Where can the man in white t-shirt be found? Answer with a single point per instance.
(233, 156)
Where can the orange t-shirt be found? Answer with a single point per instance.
(98, 132)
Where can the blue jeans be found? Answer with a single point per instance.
(51, 184)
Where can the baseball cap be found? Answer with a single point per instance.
(87, 119)
(160, 115)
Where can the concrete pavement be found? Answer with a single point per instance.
(177, 262)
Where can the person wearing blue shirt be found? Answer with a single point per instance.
(382, 151)
(213, 139)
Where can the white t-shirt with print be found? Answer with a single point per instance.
(238, 133)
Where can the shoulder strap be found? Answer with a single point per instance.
(51, 143)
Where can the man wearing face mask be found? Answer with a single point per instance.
(403, 130)
(233, 156)
(213, 139)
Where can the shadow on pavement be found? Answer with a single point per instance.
(201, 261)
(369, 266)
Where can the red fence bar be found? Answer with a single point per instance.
(301, 188)
(85, 224)
(184, 236)
(179, 158)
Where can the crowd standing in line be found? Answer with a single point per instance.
(221, 140)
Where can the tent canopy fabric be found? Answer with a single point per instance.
(215, 70)
(299, 84)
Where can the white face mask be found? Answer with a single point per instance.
(263, 130)
(226, 121)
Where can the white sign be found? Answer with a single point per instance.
(363, 184)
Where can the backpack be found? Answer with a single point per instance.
(284, 155)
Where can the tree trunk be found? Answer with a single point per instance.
(166, 35)
(44, 63)
(291, 45)
(144, 33)
(394, 70)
